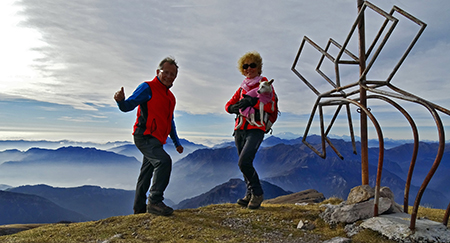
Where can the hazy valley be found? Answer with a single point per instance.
(81, 183)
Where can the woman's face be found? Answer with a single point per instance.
(250, 69)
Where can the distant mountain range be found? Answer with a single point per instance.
(204, 175)
(46, 204)
(18, 208)
(120, 147)
(68, 166)
(131, 150)
(290, 139)
(4, 187)
(92, 202)
(296, 168)
(24, 145)
(229, 192)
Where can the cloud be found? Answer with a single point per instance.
(89, 49)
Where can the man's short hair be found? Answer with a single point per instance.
(170, 60)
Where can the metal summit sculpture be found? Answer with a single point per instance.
(342, 94)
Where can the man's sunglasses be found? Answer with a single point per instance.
(252, 65)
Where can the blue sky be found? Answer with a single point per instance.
(62, 62)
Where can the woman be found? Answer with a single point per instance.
(248, 137)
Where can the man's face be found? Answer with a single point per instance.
(167, 74)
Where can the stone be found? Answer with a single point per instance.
(344, 213)
(386, 192)
(352, 229)
(305, 225)
(306, 196)
(360, 194)
(395, 208)
(396, 227)
(301, 224)
(338, 240)
(301, 204)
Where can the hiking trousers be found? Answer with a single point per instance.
(247, 144)
(157, 164)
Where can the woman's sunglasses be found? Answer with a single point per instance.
(252, 65)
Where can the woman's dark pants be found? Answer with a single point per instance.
(247, 144)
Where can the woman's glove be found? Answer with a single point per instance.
(247, 101)
(242, 104)
(234, 109)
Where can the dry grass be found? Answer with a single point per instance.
(214, 223)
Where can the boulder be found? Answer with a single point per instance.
(396, 227)
(360, 206)
(360, 194)
(387, 193)
(306, 196)
(344, 213)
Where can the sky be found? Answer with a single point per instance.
(62, 62)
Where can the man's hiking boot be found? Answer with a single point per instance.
(159, 209)
(255, 201)
(139, 211)
(244, 201)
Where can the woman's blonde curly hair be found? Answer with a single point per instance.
(249, 57)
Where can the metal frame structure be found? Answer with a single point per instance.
(344, 95)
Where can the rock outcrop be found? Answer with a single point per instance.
(390, 221)
(306, 196)
(360, 205)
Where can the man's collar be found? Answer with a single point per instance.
(164, 84)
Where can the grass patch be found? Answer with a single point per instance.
(214, 223)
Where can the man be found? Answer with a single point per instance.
(154, 123)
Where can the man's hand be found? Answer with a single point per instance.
(180, 149)
(119, 95)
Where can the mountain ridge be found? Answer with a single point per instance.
(229, 192)
(19, 208)
(91, 201)
(291, 166)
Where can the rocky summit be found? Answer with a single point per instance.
(391, 221)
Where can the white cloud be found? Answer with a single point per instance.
(80, 52)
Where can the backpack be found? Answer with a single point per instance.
(271, 118)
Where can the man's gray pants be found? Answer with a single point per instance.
(157, 164)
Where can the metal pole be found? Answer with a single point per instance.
(363, 99)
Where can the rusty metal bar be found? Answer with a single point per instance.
(381, 148)
(353, 56)
(308, 126)
(333, 119)
(446, 215)
(377, 37)
(298, 73)
(383, 42)
(415, 150)
(329, 128)
(350, 127)
(411, 45)
(431, 107)
(337, 97)
(324, 137)
(363, 98)
(437, 107)
(434, 167)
